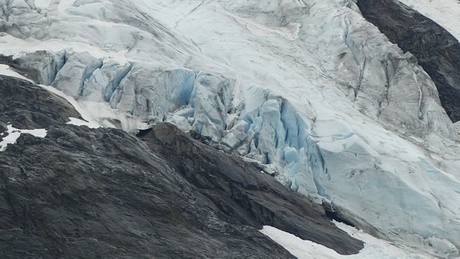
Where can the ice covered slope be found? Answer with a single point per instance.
(308, 88)
(436, 50)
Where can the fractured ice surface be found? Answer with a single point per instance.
(307, 88)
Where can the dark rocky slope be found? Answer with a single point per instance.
(102, 193)
(28, 106)
(437, 51)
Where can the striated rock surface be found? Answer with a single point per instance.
(91, 193)
(27, 106)
(309, 89)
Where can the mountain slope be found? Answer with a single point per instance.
(308, 89)
(82, 192)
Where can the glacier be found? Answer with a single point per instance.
(306, 88)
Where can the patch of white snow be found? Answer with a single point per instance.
(99, 114)
(13, 135)
(373, 248)
(8, 71)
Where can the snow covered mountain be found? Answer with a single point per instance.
(307, 89)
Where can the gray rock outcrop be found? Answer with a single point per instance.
(94, 193)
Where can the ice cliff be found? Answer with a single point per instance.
(307, 88)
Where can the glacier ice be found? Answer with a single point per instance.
(309, 89)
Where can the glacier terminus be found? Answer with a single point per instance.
(308, 90)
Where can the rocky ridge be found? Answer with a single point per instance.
(82, 192)
(310, 89)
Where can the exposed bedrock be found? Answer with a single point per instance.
(28, 106)
(83, 192)
(309, 89)
(437, 51)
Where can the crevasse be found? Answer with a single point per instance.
(335, 110)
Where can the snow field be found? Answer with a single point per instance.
(373, 247)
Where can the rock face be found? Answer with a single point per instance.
(437, 51)
(310, 89)
(93, 193)
(27, 106)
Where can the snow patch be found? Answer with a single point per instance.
(8, 71)
(99, 114)
(373, 247)
(12, 134)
